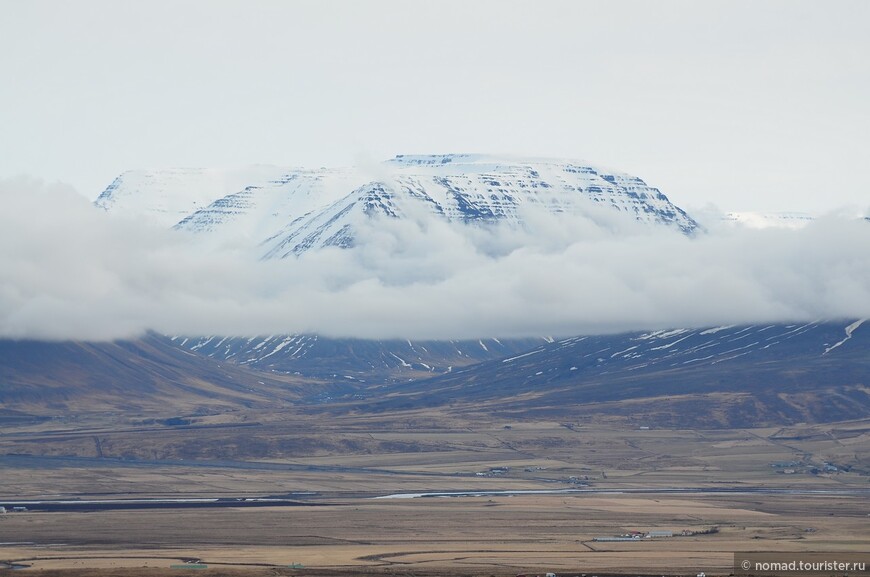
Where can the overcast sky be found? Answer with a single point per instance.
(749, 105)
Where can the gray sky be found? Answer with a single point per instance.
(749, 105)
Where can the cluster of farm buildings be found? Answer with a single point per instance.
(640, 535)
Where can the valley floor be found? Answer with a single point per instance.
(802, 488)
(491, 535)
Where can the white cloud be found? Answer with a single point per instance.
(68, 271)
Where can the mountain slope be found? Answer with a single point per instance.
(148, 374)
(724, 376)
(747, 376)
(356, 360)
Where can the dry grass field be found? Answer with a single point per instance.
(491, 535)
(337, 465)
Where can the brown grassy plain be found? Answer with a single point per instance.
(337, 464)
(485, 535)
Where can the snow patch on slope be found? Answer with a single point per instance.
(849, 330)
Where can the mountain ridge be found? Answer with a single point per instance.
(744, 375)
(730, 376)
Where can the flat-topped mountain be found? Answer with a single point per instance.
(279, 212)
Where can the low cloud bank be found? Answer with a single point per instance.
(70, 271)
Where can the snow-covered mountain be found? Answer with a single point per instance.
(282, 212)
(165, 197)
(791, 220)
